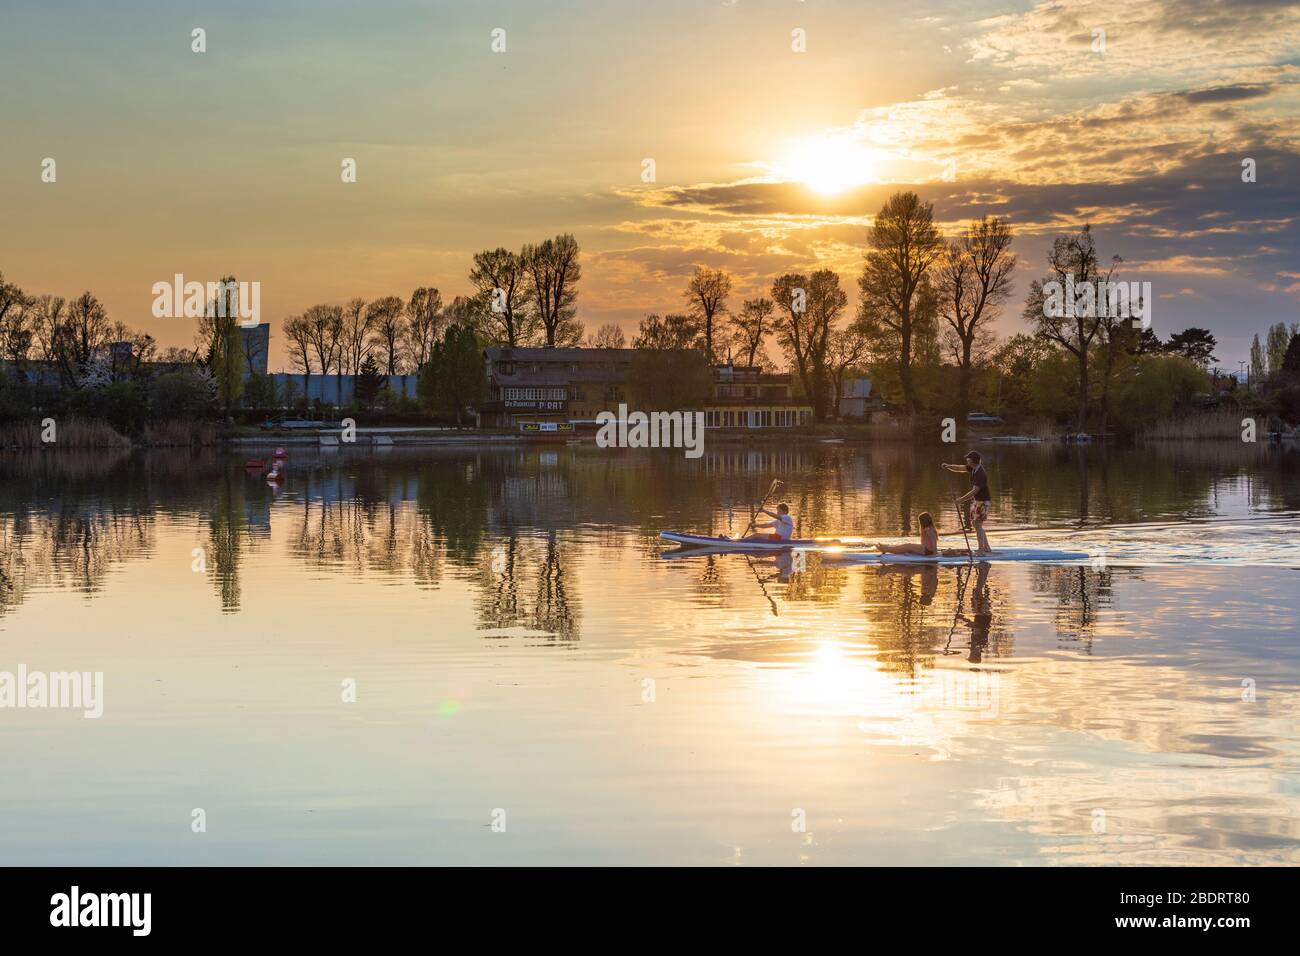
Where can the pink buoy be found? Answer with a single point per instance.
(281, 453)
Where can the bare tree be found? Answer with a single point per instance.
(903, 244)
(297, 332)
(608, 336)
(424, 324)
(1072, 258)
(17, 321)
(848, 348)
(811, 307)
(707, 294)
(752, 325)
(389, 331)
(974, 279)
(553, 273)
(86, 332)
(502, 279)
(672, 333)
(324, 329)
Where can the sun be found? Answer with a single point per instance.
(829, 164)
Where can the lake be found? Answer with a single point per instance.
(480, 656)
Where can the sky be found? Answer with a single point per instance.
(766, 158)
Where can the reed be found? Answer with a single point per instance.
(1218, 425)
(68, 433)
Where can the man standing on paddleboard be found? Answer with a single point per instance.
(979, 497)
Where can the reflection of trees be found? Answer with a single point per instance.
(67, 518)
(1080, 592)
(821, 582)
(226, 528)
(527, 583)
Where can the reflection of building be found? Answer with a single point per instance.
(558, 385)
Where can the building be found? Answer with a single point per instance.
(747, 397)
(856, 400)
(335, 389)
(553, 385)
(576, 385)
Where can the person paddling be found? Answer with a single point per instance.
(782, 527)
(978, 498)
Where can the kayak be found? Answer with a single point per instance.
(735, 544)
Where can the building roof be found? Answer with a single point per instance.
(506, 353)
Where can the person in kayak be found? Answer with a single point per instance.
(978, 500)
(929, 546)
(782, 527)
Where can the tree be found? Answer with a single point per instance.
(84, 333)
(1071, 259)
(501, 278)
(220, 337)
(386, 320)
(324, 327)
(608, 336)
(1276, 345)
(1291, 361)
(370, 382)
(424, 323)
(1194, 344)
(553, 272)
(16, 323)
(297, 332)
(454, 378)
(903, 244)
(752, 326)
(669, 379)
(848, 348)
(811, 307)
(671, 333)
(707, 294)
(354, 341)
(1258, 364)
(974, 279)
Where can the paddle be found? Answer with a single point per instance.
(776, 483)
(961, 520)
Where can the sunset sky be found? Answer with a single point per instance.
(767, 160)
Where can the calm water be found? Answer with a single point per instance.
(519, 647)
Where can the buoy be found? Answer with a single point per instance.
(281, 453)
(274, 476)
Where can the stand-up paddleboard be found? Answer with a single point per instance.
(694, 545)
(735, 544)
(1046, 555)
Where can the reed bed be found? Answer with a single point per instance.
(68, 433)
(1203, 426)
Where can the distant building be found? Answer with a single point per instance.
(553, 385)
(747, 397)
(335, 389)
(856, 400)
(576, 385)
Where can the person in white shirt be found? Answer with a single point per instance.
(782, 527)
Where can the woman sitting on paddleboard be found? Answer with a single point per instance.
(782, 527)
(929, 546)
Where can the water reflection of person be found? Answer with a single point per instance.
(929, 574)
(981, 607)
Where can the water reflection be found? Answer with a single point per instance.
(503, 609)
